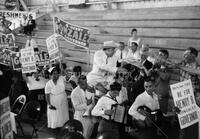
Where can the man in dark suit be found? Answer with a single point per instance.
(30, 26)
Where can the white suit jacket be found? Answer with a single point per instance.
(103, 67)
(78, 98)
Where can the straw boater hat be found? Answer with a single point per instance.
(110, 44)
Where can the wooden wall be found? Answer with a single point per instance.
(172, 28)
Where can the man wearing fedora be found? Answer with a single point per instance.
(104, 67)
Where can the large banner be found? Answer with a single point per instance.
(7, 40)
(52, 47)
(15, 17)
(183, 97)
(72, 33)
(28, 60)
(5, 119)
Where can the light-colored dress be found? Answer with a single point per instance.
(58, 98)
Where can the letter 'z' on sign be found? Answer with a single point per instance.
(72, 33)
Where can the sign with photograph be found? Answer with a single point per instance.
(27, 60)
(52, 47)
(5, 119)
(7, 40)
(183, 97)
(5, 57)
(71, 33)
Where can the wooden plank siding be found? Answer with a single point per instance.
(172, 28)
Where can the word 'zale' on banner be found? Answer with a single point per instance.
(72, 33)
(183, 96)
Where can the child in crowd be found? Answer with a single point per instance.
(77, 71)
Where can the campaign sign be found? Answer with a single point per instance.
(27, 60)
(7, 40)
(5, 119)
(5, 57)
(16, 17)
(71, 33)
(183, 97)
(52, 47)
(42, 58)
(16, 64)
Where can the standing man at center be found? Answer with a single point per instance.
(104, 67)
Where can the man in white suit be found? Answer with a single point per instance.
(83, 101)
(104, 67)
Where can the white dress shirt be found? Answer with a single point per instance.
(31, 43)
(78, 98)
(103, 68)
(131, 55)
(123, 96)
(143, 99)
(35, 85)
(121, 54)
(24, 22)
(104, 103)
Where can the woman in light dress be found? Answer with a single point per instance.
(57, 108)
(134, 38)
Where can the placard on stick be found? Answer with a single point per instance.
(52, 47)
(27, 60)
(183, 96)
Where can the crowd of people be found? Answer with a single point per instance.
(127, 75)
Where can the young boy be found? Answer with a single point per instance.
(103, 109)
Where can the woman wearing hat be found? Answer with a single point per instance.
(57, 108)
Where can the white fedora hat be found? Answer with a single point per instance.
(110, 44)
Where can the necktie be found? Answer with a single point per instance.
(121, 55)
(29, 43)
(107, 60)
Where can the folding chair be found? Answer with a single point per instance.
(18, 105)
(17, 109)
(30, 115)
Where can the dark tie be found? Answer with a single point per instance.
(107, 60)
(121, 55)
